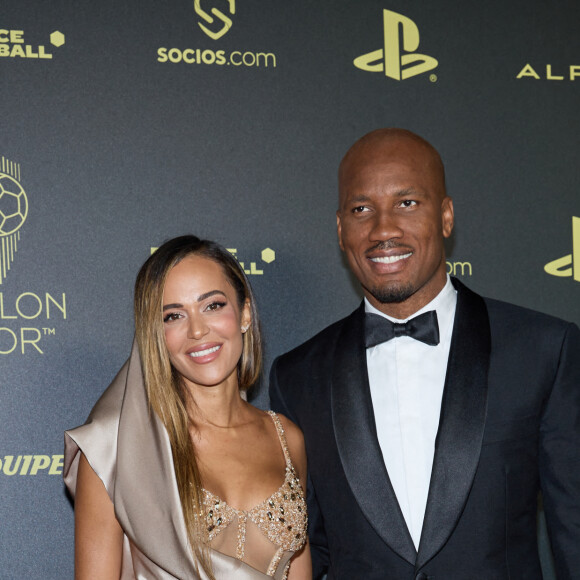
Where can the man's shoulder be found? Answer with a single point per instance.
(521, 318)
(509, 314)
(320, 344)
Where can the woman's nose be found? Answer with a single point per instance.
(197, 327)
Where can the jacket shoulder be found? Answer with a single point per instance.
(319, 347)
(523, 319)
(518, 318)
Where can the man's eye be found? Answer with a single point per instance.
(359, 209)
(408, 203)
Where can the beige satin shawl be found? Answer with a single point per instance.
(128, 448)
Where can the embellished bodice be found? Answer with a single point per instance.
(266, 536)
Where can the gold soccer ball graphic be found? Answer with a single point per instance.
(13, 205)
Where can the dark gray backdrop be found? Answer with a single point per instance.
(117, 152)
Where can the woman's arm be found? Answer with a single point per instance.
(98, 535)
(301, 563)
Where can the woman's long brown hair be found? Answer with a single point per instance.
(165, 390)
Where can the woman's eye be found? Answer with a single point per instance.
(171, 317)
(215, 305)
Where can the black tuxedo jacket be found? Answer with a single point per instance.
(509, 426)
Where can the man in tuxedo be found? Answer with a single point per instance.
(432, 416)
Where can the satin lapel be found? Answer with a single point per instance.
(461, 424)
(356, 439)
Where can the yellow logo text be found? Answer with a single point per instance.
(558, 74)
(12, 45)
(569, 265)
(20, 330)
(226, 21)
(459, 268)
(400, 34)
(28, 306)
(216, 57)
(268, 255)
(31, 464)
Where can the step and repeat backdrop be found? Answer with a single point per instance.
(126, 123)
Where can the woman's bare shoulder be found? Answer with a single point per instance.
(295, 440)
(291, 429)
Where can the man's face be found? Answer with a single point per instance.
(392, 219)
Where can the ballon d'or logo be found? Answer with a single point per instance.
(13, 212)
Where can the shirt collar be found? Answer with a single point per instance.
(444, 304)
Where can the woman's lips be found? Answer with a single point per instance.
(204, 353)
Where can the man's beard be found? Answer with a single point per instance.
(395, 293)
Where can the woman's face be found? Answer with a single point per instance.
(203, 323)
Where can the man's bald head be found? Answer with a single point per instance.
(391, 144)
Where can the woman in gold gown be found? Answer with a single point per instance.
(175, 474)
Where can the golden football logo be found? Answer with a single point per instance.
(399, 34)
(569, 265)
(13, 212)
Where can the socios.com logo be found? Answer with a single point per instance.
(13, 212)
(569, 265)
(221, 23)
(397, 59)
(215, 23)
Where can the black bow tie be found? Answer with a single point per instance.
(379, 329)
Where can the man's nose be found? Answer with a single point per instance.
(385, 227)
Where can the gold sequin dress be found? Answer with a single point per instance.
(128, 448)
(268, 535)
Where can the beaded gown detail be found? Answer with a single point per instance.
(266, 536)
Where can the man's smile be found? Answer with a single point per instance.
(391, 259)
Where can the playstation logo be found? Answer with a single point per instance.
(223, 18)
(400, 34)
(569, 265)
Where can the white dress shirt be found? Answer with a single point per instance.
(406, 380)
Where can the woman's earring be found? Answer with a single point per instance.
(245, 328)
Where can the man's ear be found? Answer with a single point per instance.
(447, 216)
(339, 229)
